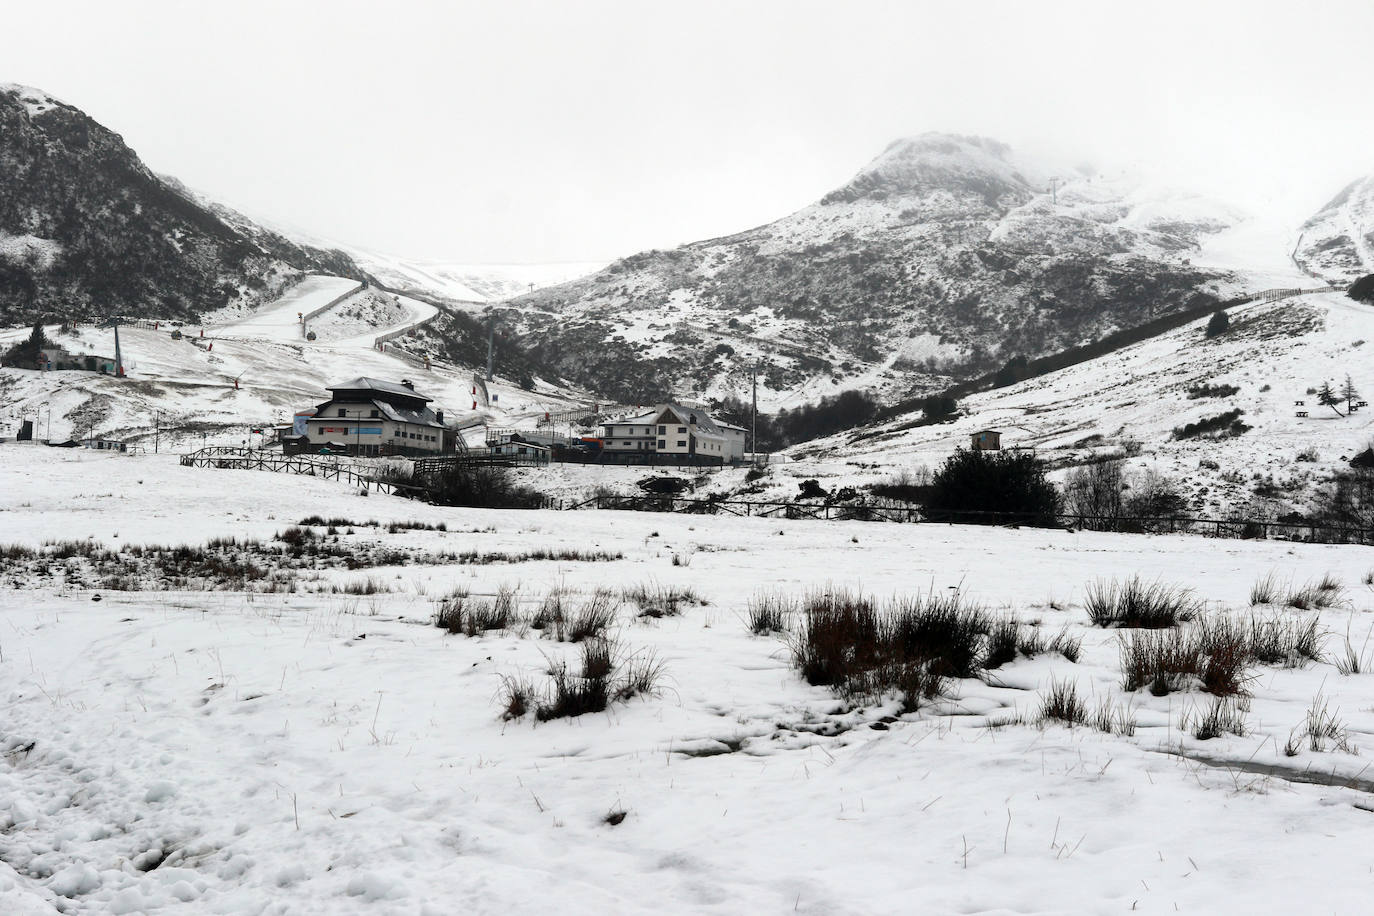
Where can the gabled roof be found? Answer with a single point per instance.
(705, 424)
(363, 383)
(423, 416)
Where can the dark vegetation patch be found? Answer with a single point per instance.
(661, 600)
(911, 647)
(1362, 290)
(1136, 603)
(1214, 653)
(604, 675)
(476, 486)
(1007, 487)
(1208, 390)
(230, 564)
(1221, 426)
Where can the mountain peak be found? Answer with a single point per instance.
(917, 166)
(35, 100)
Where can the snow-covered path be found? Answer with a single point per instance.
(281, 320)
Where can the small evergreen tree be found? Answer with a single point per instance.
(1000, 487)
(1219, 323)
(1349, 393)
(1016, 369)
(1328, 398)
(25, 353)
(939, 406)
(1362, 290)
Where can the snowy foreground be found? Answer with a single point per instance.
(321, 752)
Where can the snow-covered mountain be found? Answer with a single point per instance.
(468, 283)
(944, 257)
(87, 229)
(1337, 243)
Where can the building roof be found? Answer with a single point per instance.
(996, 432)
(363, 383)
(422, 416)
(705, 423)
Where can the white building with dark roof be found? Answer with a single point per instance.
(675, 432)
(368, 416)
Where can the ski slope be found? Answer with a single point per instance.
(281, 320)
(250, 372)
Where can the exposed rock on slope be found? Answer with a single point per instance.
(1337, 244)
(86, 228)
(942, 258)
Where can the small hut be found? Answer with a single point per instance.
(987, 440)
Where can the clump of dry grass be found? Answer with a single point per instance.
(1136, 603)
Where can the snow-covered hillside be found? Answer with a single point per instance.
(470, 283)
(1337, 244)
(1129, 403)
(253, 369)
(317, 752)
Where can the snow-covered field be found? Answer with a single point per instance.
(320, 752)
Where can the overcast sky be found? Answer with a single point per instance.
(518, 131)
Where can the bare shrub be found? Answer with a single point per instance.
(473, 616)
(1211, 658)
(1095, 490)
(604, 676)
(551, 613)
(660, 600)
(1354, 661)
(1323, 727)
(1136, 603)
(640, 676)
(1266, 590)
(1213, 655)
(1325, 592)
(518, 696)
(1223, 717)
(591, 619)
(573, 694)
(910, 648)
(769, 612)
(1280, 640)
(1062, 704)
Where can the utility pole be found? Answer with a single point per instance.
(491, 342)
(119, 360)
(1054, 190)
(754, 417)
(157, 430)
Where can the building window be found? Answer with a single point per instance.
(342, 412)
(661, 429)
(375, 414)
(682, 429)
(660, 443)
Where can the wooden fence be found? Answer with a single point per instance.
(248, 459)
(909, 513)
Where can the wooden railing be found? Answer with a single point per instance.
(248, 459)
